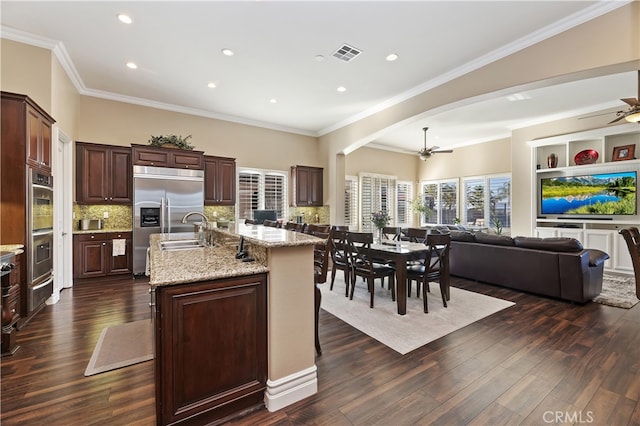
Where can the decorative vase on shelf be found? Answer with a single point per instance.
(552, 160)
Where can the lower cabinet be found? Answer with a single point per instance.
(211, 349)
(98, 254)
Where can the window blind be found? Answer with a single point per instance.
(404, 196)
(351, 202)
(377, 193)
(259, 189)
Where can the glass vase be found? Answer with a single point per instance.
(379, 235)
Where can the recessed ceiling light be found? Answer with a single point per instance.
(227, 52)
(132, 65)
(342, 89)
(391, 57)
(319, 58)
(273, 100)
(125, 19)
(211, 85)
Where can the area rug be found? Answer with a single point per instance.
(618, 291)
(121, 345)
(404, 333)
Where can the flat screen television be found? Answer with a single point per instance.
(601, 194)
(260, 215)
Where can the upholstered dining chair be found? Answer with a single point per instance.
(249, 222)
(435, 267)
(270, 223)
(321, 256)
(363, 265)
(340, 258)
(631, 236)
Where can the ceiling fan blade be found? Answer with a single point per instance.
(433, 148)
(617, 119)
(631, 102)
(446, 151)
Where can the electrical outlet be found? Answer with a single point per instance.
(105, 215)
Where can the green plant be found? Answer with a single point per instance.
(497, 224)
(177, 141)
(456, 221)
(418, 205)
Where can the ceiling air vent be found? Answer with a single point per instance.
(346, 53)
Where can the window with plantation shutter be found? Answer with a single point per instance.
(487, 199)
(259, 190)
(442, 199)
(404, 196)
(351, 202)
(377, 193)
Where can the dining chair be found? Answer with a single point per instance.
(631, 236)
(295, 226)
(321, 255)
(391, 233)
(340, 258)
(314, 227)
(249, 222)
(416, 235)
(434, 267)
(270, 223)
(363, 265)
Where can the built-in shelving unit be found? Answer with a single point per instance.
(593, 232)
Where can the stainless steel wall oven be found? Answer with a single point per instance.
(40, 271)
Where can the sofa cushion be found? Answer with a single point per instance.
(560, 244)
(465, 236)
(597, 257)
(498, 240)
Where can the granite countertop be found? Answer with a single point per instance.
(99, 231)
(268, 237)
(169, 267)
(15, 248)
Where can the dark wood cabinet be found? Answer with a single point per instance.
(307, 186)
(211, 349)
(25, 144)
(219, 181)
(103, 174)
(11, 296)
(93, 255)
(39, 139)
(144, 155)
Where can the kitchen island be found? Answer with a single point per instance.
(233, 335)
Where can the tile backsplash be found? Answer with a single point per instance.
(120, 217)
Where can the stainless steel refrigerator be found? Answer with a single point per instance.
(161, 198)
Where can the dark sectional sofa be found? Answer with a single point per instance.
(554, 267)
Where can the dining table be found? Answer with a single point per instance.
(400, 252)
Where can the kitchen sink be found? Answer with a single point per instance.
(181, 245)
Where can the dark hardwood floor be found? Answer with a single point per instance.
(541, 361)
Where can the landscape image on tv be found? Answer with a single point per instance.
(593, 194)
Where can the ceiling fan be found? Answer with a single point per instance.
(633, 113)
(425, 152)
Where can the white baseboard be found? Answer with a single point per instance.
(293, 388)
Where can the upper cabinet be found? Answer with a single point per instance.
(144, 155)
(306, 185)
(103, 174)
(30, 127)
(219, 181)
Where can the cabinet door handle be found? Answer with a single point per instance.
(104, 244)
(93, 236)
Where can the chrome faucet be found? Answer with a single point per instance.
(184, 219)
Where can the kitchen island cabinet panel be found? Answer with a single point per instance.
(211, 348)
